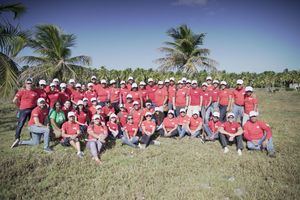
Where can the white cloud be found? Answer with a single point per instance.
(190, 2)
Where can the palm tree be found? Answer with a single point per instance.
(54, 54)
(183, 53)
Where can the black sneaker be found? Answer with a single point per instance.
(48, 150)
(15, 144)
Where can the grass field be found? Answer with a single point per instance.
(177, 169)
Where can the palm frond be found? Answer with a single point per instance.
(17, 9)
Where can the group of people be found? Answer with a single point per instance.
(139, 113)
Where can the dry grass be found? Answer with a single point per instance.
(184, 169)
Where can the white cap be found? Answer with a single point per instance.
(194, 82)
(29, 80)
(249, 89)
(71, 81)
(128, 96)
(90, 84)
(230, 114)
(204, 84)
(42, 82)
(136, 103)
(216, 81)
(93, 77)
(93, 99)
(79, 102)
(98, 107)
(113, 115)
(239, 81)
(40, 100)
(63, 85)
(134, 85)
(208, 78)
(160, 83)
(188, 81)
(172, 79)
(55, 80)
(253, 114)
(167, 81)
(182, 110)
(171, 111)
(180, 82)
(195, 112)
(142, 83)
(130, 78)
(78, 85)
(150, 80)
(52, 84)
(70, 114)
(156, 109)
(122, 82)
(216, 114)
(96, 116)
(148, 104)
(121, 106)
(85, 99)
(112, 81)
(223, 83)
(103, 81)
(183, 79)
(148, 113)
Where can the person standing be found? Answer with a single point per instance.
(224, 100)
(194, 99)
(238, 96)
(181, 98)
(251, 103)
(206, 102)
(160, 96)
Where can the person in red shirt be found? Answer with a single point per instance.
(231, 132)
(129, 103)
(250, 103)
(136, 96)
(41, 89)
(258, 135)
(215, 97)
(160, 96)
(238, 96)
(137, 113)
(148, 128)
(148, 108)
(169, 125)
(70, 132)
(38, 127)
(143, 91)
(183, 121)
(181, 98)
(67, 107)
(122, 115)
(96, 85)
(82, 117)
(206, 102)
(123, 91)
(151, 88)
(97, 134)
(77, 94)
(113, 126)
(103, 93)
(224, 100)
(188, 85)
(212, 128)
(130, 131)
(210, 87)
(108, 109)
(130, 81)
(115, 95)
(195, 125)
(171, 92)
(26, 100)
(53, 95)
(100, 112)
(194, 99)
(90, 93)
(92, 109)
(71, 87)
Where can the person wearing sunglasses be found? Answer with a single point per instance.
(130, 130)
(148, 129)
(183, 121)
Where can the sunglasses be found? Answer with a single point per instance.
(148, 116)
(130, 118)
(97, 119)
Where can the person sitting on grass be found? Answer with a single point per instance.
(183, 121)
(38, 127)
(158, 117)
(258, 135)
(122, 115)
(231, 131)
(97, 133)
(70, 132)
(169, 125)
(113, 126)
(82, 116)
(130, 133)
(57, 118)
(212, 128)
(195, 124)
(148, 129)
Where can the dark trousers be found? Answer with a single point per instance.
(223, 113)
(23, 115)
(115, 105)
(146, 139)
(238, 140)
(173, 133)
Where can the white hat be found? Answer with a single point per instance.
(148, 113)
(90, 84)
(78, 85)
(216, 114)
(85, 99)
(63, 85)
(183, 79)
(55, 80)
(71, 81)
(208, 78)
(130, 78)
(113, 115)
(249, 89)
(103, 81)
(216, 81)
(98, 107)
(167, 81)
(52, 84)
(121, 106)
(204, 84)
(230, 114)
(93, 99)
(189, 81)
(42, 82)
(223, 83)
(96, 116)
(195, 112)
(239, 81)
(136, 103)
(171, 112)
(148, 104)
(122, 82)
(156, 109)
(128, 96)
(194, 82)
(112, 81)
(40, 100)
(142, 83)
(29, 80)
(70, 114)
(182, 110)
(79, 102)
(253, 114)
(93, 77)
(180, 82)
(134, 85)
(172, 79)
(150, 80)
(160, 83)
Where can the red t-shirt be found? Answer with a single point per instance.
(92, 111)
(113, 126)
(171, 91)
(159, 96)
(250, 103)
(150, 91)
(238, 96)
(41, 92)
(27, 98)
(231, 127)
(224, 96)
(210, 88)
(205, 97)
(77, 95)
(128, 85)
(145, 110)
(194, 96)
(135, 96)
(70, 128)
(40, 113)
(82, 117)
(122, 115)
(114, 95)
(214, 126)
(124, 92)
(143, 94)
(183, 120)
(97, 129)
(215, 95)
(130, 128)
(170, 123)
(108, 110)
(64, 96)
(90, 94)
(128, 106)
(180, 97)
(136, 115)
(53, 96)
(103, 94)
(149, 125)
(255, 131)
(194, 123)
(70, 89)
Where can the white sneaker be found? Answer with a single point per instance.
(226, 150)
(142, 146)
(239, 152)
(16, 143)
(155, 142)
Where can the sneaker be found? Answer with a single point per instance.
(271, 154)
(226, 150)
(155, 142)
(239, 151)
(48, 150)
(80, 154)
(142, 146)
(15, 144)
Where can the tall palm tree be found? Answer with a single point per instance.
(184, 53)
(54, 55)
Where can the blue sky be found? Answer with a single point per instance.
(242, 35)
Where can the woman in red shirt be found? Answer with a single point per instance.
(169, 125)
(97, 133)
(212, 128)
(130, 133)
(67, 107)
(122, 115)
(64, 94)
(113, 126)
(82, 116)
(183, 121)
(148, 129)
(53, 95)
(195, 125)
(77, 94)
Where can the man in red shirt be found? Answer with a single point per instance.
(183, 121)
(195, 125)
(210, 87)
(238, 96)
(151, 88)
(224, 100)
(143, 92)
(169, 125)
(96, 85)
(250, 103)
(26, 100)
(115, 95)
(122, 115)
(103, 93)
(63, 94)
(38, 127)
(214, 93)
(231, 131)
(160, 96)
(180, 100)
(137, 113)
(77, 94)
(71, 87)
(136, 95)
(258, 135)
(212, 128)
(194, 99)
(206, 102)
(171, 92)
(130, 81)
(90, 93)
(123, 92)
(41, 89)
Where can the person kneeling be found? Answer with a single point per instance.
(195, 125)
(231, 131)
(70, 132)
(258, 134)
(212, 128)
(130, 133)
(169, 125)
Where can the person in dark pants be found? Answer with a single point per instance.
(148, 129)
(169, 125)
(26, 99)
(231, 132)
(224, 100)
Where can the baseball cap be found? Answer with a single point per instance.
(98, 107)
(85, 99)
(148, 104)
(78, 85)
(63, 85)
(71, 114)
(112, 81)
(223, 83)
(156, 109)
(90, 84)
(172, 79)
(194, 82)
(195, 112)
(79, 102)
(160, 83)
(142, 83)
(188, 81)
(204, 84)
(52, 84)
(136, 103)
(208, 78)
(183, 79)
(121, 106)
(216, 114)
(113, 115)
(55, 80)
(96, 116)
(253, 114)
(150, 80)
(134, 85)
(180, 82)
(93, 77)
(230, 114)
(249, 89)
(40, 100)
(182, 110)
(167, 81)
(239, 81)
(42, 82)
(171, 112)
(93, 99)
(130, 78)
(148, 113)
(71, 81)
(103, 81)
(128, 96)
(122, 82)
(216, 81)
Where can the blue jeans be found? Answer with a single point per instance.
(238, 112)
(209, 132)
(36, 133)
(95, 147)
(23, 115)
(181, 131)
(196, 134)
(270, 147)
(208, 112)
(170, 106)
(130, 142)
(223, 112)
